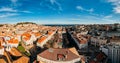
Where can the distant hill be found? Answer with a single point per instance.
(25, 23)
(1, 25)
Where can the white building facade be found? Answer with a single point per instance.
(113, 52)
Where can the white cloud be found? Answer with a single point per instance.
(90, 10)
(58, 4)
(8, 15)
(7, 9)
(26, 11)
(83, 9)
(116, 3)
(79, 8)
(110, 21)
(117, 9)
(94, 20)
(52, 1)
(52, 4)
(108, 16)
(14, 2)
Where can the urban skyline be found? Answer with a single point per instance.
(59, 31)
(60, 11)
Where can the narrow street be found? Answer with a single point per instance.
(66, 42)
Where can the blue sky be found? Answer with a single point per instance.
(60, 11)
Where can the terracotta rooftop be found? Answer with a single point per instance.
(15, 52)
(3, 59)
(13, 40)
(74, 50)
(83, 41)
(81, 38)
(50, 32)
(42, 39)
(100, 56)
(26, 36)
(37, 34)
(1, 46)
(52, 53)
(8, 58)
(1, 40)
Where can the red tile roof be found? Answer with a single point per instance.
(42, 39)
(1, 40)
(15, 52)
(52, 53)
(50, 32)
(100, 56)
(26, 36)
(37, 34)
(13, 40)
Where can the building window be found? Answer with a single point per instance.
(60, 57)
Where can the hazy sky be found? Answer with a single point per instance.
(60, 11)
